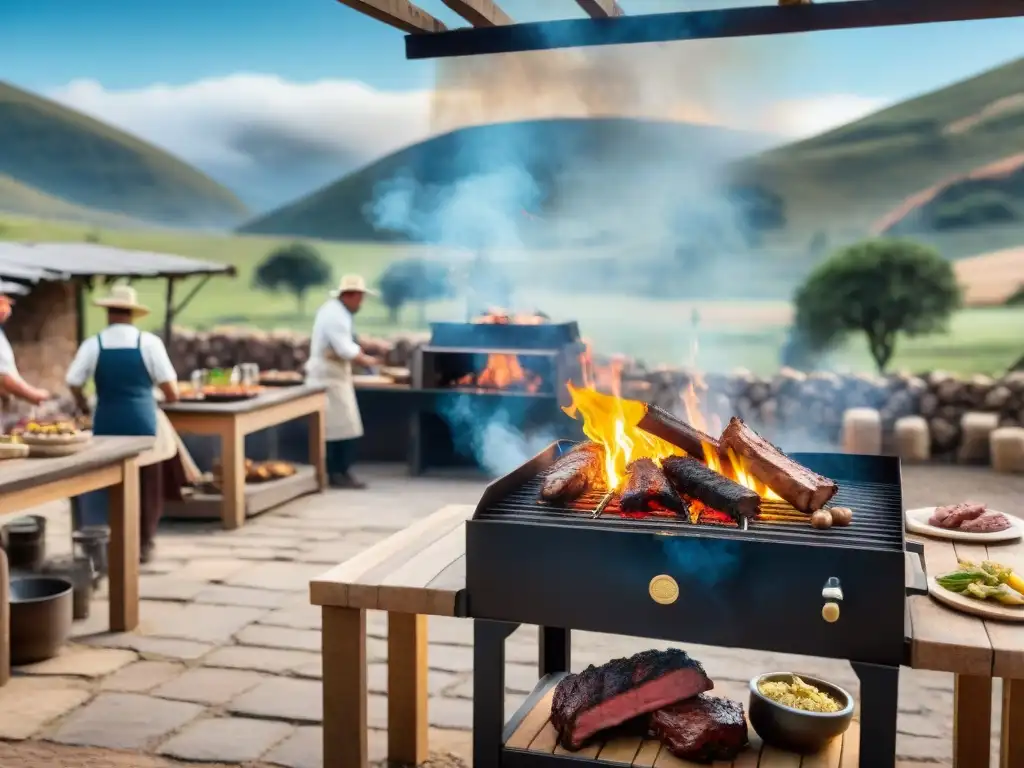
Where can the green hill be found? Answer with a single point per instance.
(66, 155)
(18, 198)
(847, 178)
(546, 162)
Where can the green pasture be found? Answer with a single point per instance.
(731, 334)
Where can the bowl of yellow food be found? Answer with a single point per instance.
(798, 713)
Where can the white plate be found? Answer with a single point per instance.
(917, 522)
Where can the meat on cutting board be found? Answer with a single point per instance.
(647, 489)
(599, 698)
(574, 473)
(703, 729)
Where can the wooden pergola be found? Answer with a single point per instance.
(492, 30)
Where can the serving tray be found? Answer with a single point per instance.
(917, 522)
(981, 608)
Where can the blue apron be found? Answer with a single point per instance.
(124, 406)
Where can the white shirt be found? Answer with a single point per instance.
(120, 336)
(7, 364)
(332, 330)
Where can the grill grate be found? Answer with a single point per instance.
(877, 517)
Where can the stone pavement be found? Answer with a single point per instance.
(225, 666)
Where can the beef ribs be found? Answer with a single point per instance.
(702, 729)
(807, 491)
(698, 481)
(648, 490)
(573, 474)
(955, 515)
(673, 430)
(603, 697)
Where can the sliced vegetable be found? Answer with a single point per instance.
(958, 581)
(1001, 594)
(1015, 583)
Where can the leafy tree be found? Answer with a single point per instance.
(411, 280)
(295, 268)
(880, 288)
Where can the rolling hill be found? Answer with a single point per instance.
(18, 198)
(68, 156)
(577, 168)
(851, 176)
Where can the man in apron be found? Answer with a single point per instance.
(332, 352)
(125, 364)
(11, 383)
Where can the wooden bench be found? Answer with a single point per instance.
(416, 573)
(975, 651)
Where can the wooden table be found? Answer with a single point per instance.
(975, 651)
(420, 572)
(231, 422)
(108, 462)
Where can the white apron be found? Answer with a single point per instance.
(166, 446)
(343, 421)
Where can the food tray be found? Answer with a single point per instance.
(56, 440)
(229, 398)
(917, 522)
(982, 608)
(13, 451)
(55, 450)
(282, 382)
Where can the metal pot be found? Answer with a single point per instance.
(92, 542)
(41, 616)
(24, 540)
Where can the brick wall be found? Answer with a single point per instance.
(42, 331)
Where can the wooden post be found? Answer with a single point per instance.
(232, 474)
(1011, 749)
(317, 447)
(972, 721)
(5, 620)
(407, 689)
(169, 310)
(344, 688)
(124, 549)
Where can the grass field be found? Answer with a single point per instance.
(732, 334)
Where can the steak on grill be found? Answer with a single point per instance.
(702, 729)
(573, 474)
(647, 490)
(603, 697)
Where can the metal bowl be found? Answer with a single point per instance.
(41, 616)
(797, 730)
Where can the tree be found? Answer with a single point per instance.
(880, 288)
(414, 279)
(295, 268)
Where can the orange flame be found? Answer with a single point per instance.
(496, 316)
(502, 371)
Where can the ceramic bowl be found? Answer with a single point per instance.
(797, 730)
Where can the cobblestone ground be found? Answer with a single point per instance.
(225, 666)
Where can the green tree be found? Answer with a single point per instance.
(880, 288)
(414, 279)
(295, 268)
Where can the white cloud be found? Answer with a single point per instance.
(201, 121)
(198, 121)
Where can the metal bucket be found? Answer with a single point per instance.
(41, 616)
(24, 540)
(79, 571)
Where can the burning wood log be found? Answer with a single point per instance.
(698, 481)
(660, 423)
(807, 491)
(647, 490)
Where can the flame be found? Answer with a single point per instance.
(497, 316)
(503, 371)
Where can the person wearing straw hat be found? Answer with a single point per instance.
(125, 364)
(332, 352)
(11, 383)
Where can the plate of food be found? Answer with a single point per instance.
(966, 521)
(230, 393)
(281, 378)
(63, 432)
(988, 589)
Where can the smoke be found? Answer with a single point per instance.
(703, 561)
(487, 434)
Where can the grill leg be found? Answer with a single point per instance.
(489, 690)
(555, 650)
(879, 703)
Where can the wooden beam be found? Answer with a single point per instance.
(601, 9)
(398, 13)
(479, 13)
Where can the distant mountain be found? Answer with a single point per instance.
(852, 176)
(579, 169)
(66, 155)
(18, 198)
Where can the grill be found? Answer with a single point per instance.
(591, 566)
(447, 370)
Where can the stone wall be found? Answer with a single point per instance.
(43, 332)
(797, 409)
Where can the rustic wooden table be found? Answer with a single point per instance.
(108, 462)
(976, 651)
(231, 422)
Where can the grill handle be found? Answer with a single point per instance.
(916, 577)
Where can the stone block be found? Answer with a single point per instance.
(862, 431)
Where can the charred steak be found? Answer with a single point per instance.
(698, 481)
(571, 476)
(602, 697)
(647, 490)
(702, 729)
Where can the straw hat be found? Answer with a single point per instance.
(123, 297)
(353, 284)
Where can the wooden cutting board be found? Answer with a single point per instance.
(981, 608)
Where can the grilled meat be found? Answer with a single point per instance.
(807, 491)
(698, 481)
(660, 423)
(603, 697)
(703, 729)
(573, 474)
(647, 489)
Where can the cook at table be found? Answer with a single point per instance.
(332, 351)
(125, 364)
(11, 383)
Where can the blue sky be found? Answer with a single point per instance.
(134, 43)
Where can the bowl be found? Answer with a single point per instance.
(41, 616)
(797, 730)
